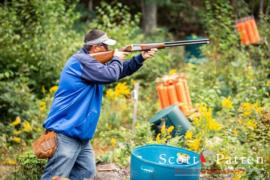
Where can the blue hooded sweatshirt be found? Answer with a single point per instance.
(76, 106)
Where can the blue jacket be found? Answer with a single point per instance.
(76, 106)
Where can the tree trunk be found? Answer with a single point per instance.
(149, 13)
(261, 7)
(267, 8)
(90, 5)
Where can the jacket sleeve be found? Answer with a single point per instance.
(131, 66)
(96, 72)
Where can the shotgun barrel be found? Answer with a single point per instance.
(106, 56)
(186, 42)
(148, 46)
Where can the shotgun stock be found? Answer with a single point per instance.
(103, 57)
(106, 56)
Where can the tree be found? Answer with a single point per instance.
(149, 11)
(90, 5)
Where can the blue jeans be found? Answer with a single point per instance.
(73, 159)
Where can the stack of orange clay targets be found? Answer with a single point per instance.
(248, 31)
(173, 90)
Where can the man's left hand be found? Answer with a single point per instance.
(149, 54)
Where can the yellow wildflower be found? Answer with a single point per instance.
(246, 113)
(213, 125)
(163, 129)
(238, 175)
(235, 132)
(133, 81)
(170, 129)
(197, 121)
(10, 162)
(158, 138)
(16, 122)
(268, 83)
(43, 90)
(15, 132)
(251, 124)
(202, 108)
(227, 103)
(208, 114)
(240, 121)
(53, 89)
(42, 106)
(188, 135)
(16, 139)
(246, 108)
(113, 142)
(122, 89)
(205, 112)
(123, 107)
(110, 94)
(258, 108)
(172, 71)
(194, 144)
(26, 126)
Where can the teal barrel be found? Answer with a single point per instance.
(172, 116)
(159, 162)
(193, 53)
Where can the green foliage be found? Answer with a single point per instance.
(29, 167)
(10, 105)
(123, 140)
(232, 70)
(187, 22)
(218, 21)
(17, 102)
(36, 39)
(240, 73)
(116, 20)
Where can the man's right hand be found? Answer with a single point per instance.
(120, 54)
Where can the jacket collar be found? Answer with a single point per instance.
(83, 50)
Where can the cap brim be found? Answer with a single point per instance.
(110, 42)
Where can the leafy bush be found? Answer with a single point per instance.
(29, 167)
(36, 37)
(117, 143)
(232, 70)
(10, 105)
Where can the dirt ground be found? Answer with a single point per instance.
(111, 172)
(5, 170)
(104, 172)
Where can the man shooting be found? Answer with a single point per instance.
(76, 106)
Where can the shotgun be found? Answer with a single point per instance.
(106, 56)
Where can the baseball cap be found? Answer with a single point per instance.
(97, 37)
